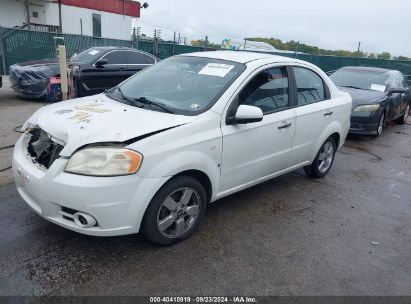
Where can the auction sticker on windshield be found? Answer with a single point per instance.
(93, 52)
(378, 87)
(216, 69)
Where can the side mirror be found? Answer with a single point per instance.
(397, 90)
(246, 114)
(101, 62)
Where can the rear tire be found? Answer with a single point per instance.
(175, 211)
(403, 119)
(323, 161)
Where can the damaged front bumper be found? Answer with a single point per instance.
(117, 203)
(365, 123)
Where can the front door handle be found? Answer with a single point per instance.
(284, 125)
(329, 113)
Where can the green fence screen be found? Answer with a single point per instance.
(18, 45)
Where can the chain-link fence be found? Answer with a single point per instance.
(331, 63)
(18, 45)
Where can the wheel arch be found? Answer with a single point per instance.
(205, 167)
(336, 136)
(202, 177)
(334, 130)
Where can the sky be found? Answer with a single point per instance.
(329, 24)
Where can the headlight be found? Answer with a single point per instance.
(104, 161)
(367, 108)
(27, 126)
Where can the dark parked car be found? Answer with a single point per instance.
(100, 68)
(379, 96)
(95, 70)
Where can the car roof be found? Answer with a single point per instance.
(113, 48)
(110, 48)
(368, 69)
(239, 56)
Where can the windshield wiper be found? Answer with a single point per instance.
(153, 103)
(354, 87)
(126, 98)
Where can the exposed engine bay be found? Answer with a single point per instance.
(42, 149)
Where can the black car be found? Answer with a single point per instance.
(100, 68)
(94, 70)
(379, 96)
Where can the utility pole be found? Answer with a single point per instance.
(358, 50)
(296, 49)
(27, 14)
(174, 43)
(157, 34)
(138, 35)
(60, 18)
(134, 37)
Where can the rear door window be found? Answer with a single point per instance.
(116, 57)
(139, 58)
(310, 86)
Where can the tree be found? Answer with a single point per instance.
(404, 58)
(310, 49)
(384, 55)
(203, 43)
(372, 56)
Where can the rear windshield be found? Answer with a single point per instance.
(87, 56)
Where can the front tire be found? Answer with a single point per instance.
(323, 161)
(175, 211)
(380, 125)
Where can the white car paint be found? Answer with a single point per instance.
(233, 157)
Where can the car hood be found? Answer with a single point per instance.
(360, 97)
(99, 119)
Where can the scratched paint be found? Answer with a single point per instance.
(92, 108)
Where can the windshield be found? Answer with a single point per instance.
(361, 79)
(183, 85)
(87, 56)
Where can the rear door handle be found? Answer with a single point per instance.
(329, 113)
(284, 125)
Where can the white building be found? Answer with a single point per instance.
(107, 19)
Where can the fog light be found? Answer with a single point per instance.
(84, 220)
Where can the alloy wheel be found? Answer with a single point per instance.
(178, 212)
(326, 157)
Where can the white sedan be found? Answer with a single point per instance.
(151, 153)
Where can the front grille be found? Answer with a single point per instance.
(42, 149)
